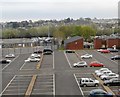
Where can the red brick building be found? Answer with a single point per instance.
(74, 43)
(106, 42)
(113, 41)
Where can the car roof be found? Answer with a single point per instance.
(98, 90)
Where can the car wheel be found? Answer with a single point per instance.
(104, 78)
(84, 85)
(96, 85)
(108, 85)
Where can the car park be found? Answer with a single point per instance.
(96, 64)
(32, 59)
(35, 55)
(70, 51)
(116, 57)
(100, 70)
(103, 72)
(112, 82)
(88, 82)
(5, 61)
(86, 56)
(80, 64)
(10, 56)
(109, 76)
(99, 93)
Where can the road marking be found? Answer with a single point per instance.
(53, 60)
(107, 58)
(7, 85)
(54, 85)
(22, 66)
(30, 87)
(10, 62)
(79, 86)
(67, 60)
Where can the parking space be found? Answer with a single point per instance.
(17, 86)
(7, 64)
(71, 58)
(47, 62)
(85, 90)
(44, 85)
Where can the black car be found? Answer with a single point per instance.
(70, 51)
(38, 51)
(47, 51)
(112, 50)
(112, 83)
(117, 57)
(5, 61)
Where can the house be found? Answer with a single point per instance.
(74, 43)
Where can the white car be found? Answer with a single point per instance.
(100, 70)
(103, 72)
(88, 82)
(32, 59)
(80, 64)
(109, 76)
(10, 56)
(86, 56)
(35, 55)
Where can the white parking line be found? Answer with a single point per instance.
(79, 86)
(53, 60)
(10, 62)
(54, 85)
(107, 58)
(22, 66)
(67, 60)
(7, 85)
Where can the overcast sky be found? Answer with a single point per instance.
(18, 10)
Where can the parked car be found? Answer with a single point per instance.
(105, 51)
(80, 64)
(109, 76)
(112, 82)
(5, 61)
(100, 70)
(32, 59)
(96, 64)
(86, 56)
(112, 50)
(35, 55)
(103, 72)
(116, 57)
(10, 56)
(38, 51)
(70, 51)
(99, 93)
(99, 50)
(47, 51)
(88, 82)
(118, 93)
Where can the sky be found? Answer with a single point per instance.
(20, 10)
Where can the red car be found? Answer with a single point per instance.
(96, 64)
(105, 51)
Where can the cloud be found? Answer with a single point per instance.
(56, 9)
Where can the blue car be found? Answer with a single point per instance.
(100, 93)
